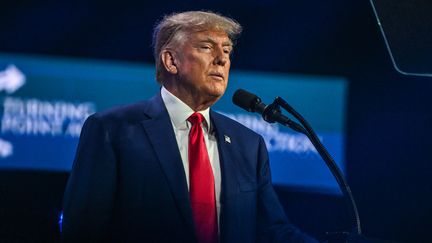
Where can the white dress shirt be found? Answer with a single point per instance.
(179, 112)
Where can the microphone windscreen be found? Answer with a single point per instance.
(245, 100)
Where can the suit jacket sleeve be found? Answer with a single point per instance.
(272, 225)
(88, 199)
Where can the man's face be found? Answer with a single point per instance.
(203, 65)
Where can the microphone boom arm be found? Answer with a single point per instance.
(272, 113)
(269, 116)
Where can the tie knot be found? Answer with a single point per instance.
(196, 118)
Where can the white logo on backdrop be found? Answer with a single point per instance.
(35, 117)
(11, 79)
(276, 140)
(6, 148)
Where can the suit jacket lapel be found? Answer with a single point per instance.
(161, 135)
(227, 156)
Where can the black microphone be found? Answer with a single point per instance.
(252, 103)
(248, 101)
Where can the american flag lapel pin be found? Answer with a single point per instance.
(227, 139)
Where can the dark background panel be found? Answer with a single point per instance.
(389, 116)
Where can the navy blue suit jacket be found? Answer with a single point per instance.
(128, 183)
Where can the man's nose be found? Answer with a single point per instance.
(221, 57)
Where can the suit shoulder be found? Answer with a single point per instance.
(124, 113)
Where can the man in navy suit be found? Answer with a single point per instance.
(132, 177)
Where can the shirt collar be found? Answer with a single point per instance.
(179, 112)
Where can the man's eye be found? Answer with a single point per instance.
(227, 51)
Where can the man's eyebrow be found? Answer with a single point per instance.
(211, 40)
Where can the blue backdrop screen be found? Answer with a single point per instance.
(45, 100)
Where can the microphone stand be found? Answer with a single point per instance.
(269, 115)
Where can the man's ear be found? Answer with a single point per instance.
(169, 61)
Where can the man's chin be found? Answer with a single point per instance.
(217, 92)
(216, 95)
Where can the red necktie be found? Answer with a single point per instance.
(202, 187)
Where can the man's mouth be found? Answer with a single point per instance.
(217, 75)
